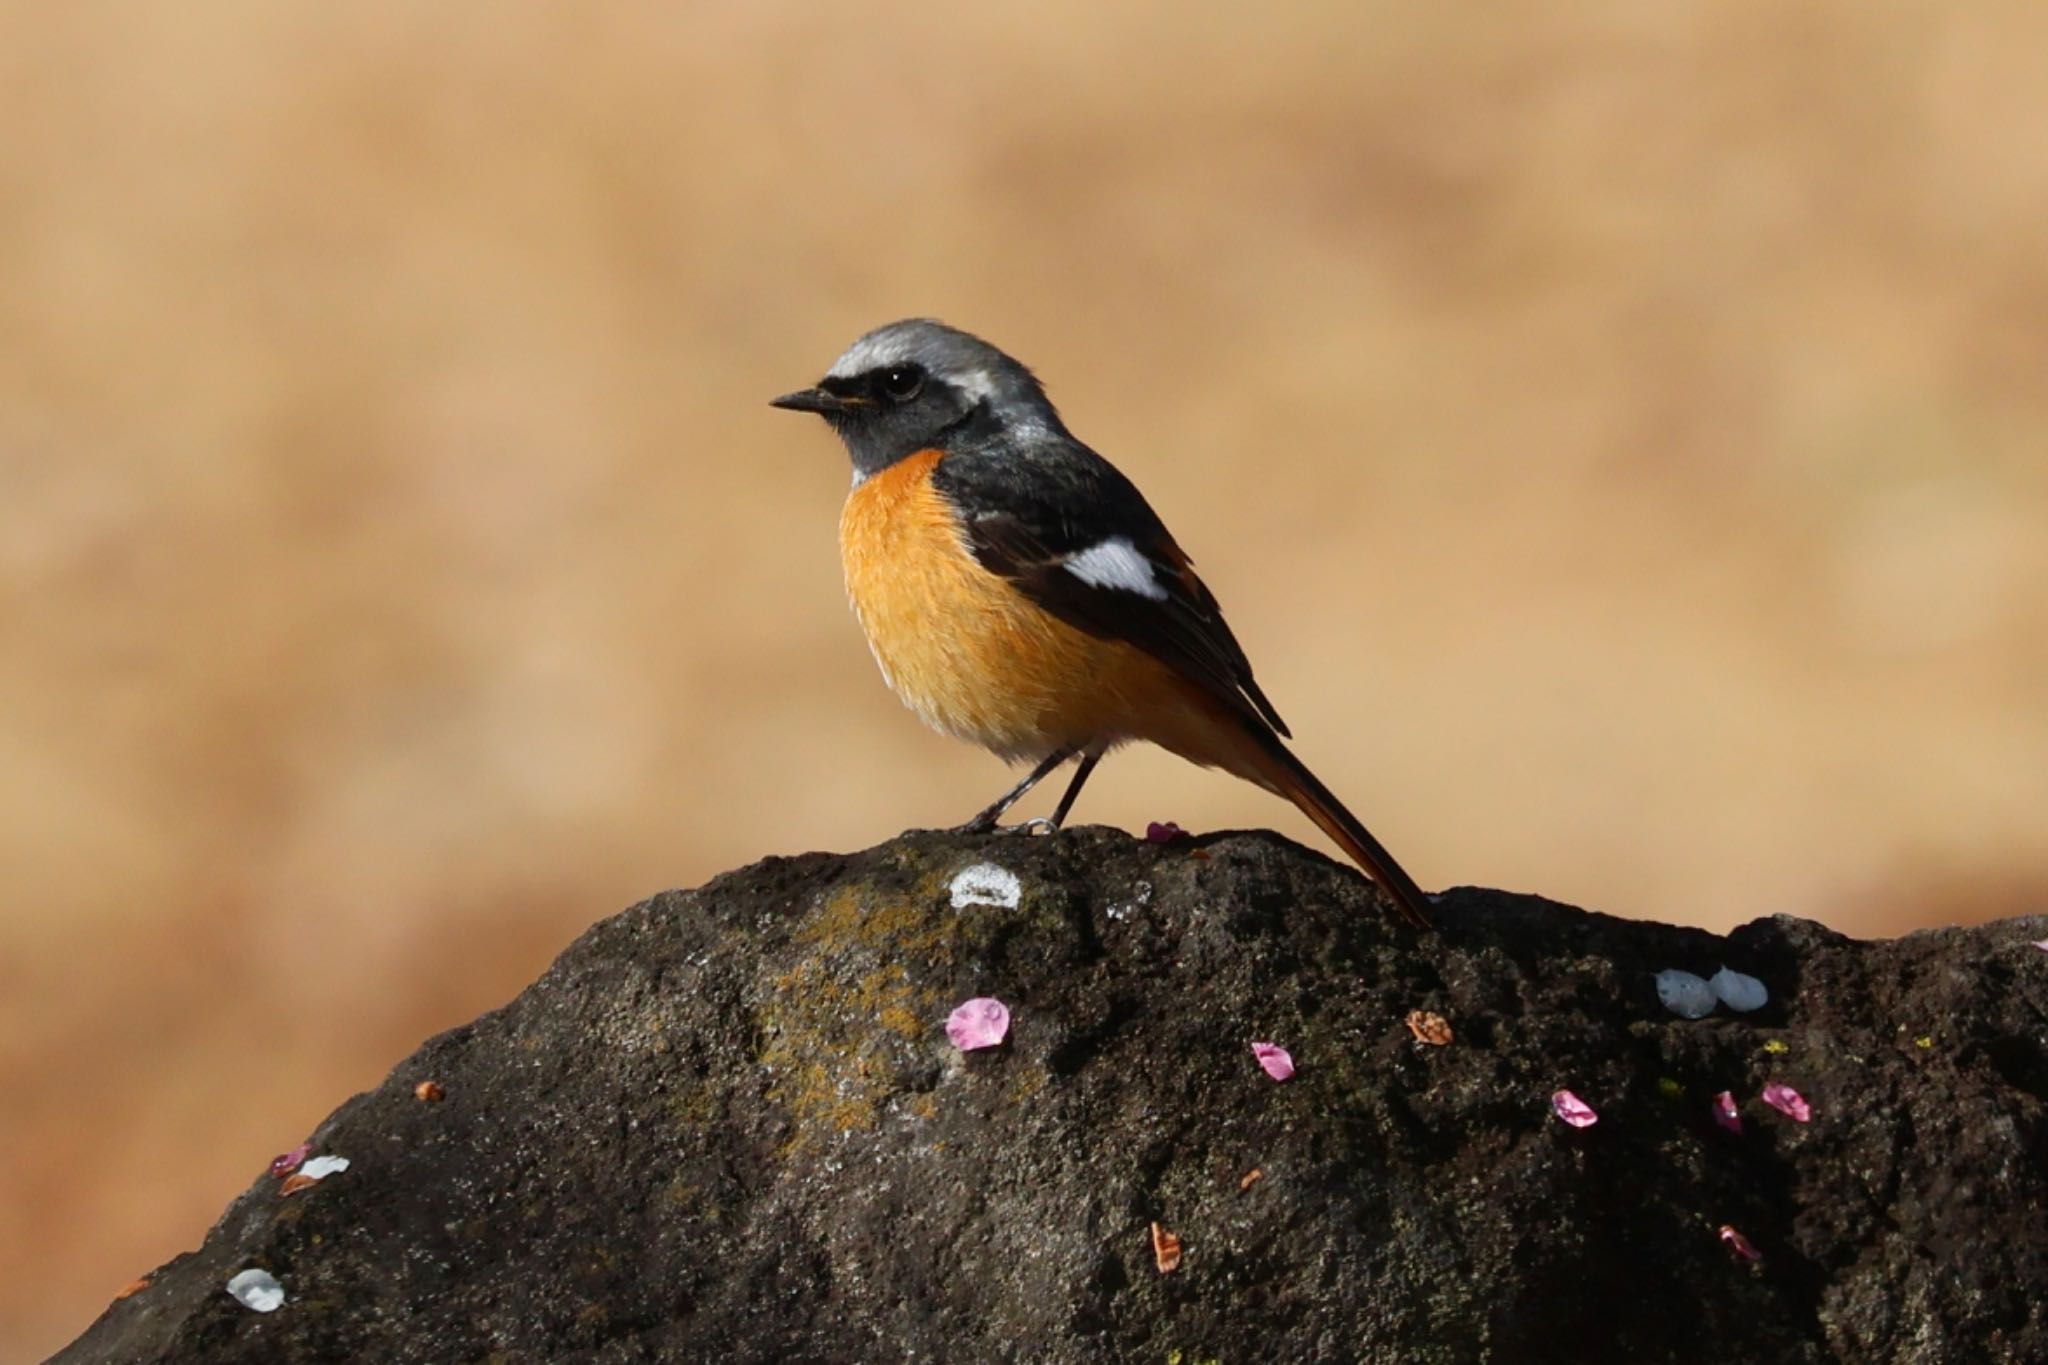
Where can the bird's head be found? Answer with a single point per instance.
(915, 385)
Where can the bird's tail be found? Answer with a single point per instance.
(1280, 770)
(1202, 730)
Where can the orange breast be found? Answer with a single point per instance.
(969, 653)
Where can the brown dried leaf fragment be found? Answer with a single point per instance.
(132, 1288)
(1251, 1178)
(1165, 1250)
(294, 1183)
(430, 1091)
(1429, 1028)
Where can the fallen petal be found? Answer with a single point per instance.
(430, 1091)
(132, 1288)
(1777, 1045)
(1788, 1101)
(257, 1289)
(1739, 1244)
(293, 1183)
(1163, 833)
(320, 1167)
(1251, 1178)
(282, 1166)
(978, 1023)
(1726, 1114)
(986, 884)
(1165, 1250)
(1429, 1028)
(2042, 944)
(1738, 992)
(1685, 995)
(1573, 1110)
(1274, 1058)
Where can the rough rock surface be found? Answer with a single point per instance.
(727, 1125)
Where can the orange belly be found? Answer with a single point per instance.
(974, 657)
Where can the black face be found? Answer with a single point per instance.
(887, 413)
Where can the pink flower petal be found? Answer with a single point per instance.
(2042, 944)
(1274, 1058)
(1573, 1110)
(1157, 833)
(1725, 1112)
(1739, 1244)
(283, 1165)
(978, 1023)
(1788, 1101)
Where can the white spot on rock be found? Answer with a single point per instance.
(1685, 995)
(320, 1167)
(1738, 992)
(257, 1289)
(986, 884)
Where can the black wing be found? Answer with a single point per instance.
(1029, 517)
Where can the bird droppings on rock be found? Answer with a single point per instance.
(982, 1022)
(1685, 995)
(804, 1169)
(1743, 994)
(257, 1290)
(1573, 1110)
(986, 884)
(1788, 1102)
(1276, 1060)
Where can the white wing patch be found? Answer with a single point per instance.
(1116, 563)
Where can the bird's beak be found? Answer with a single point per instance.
(809, 400)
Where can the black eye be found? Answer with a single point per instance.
(901, 383)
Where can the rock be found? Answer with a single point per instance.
(727, 1126)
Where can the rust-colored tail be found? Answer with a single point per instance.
(1290, 777)
(1202, 730)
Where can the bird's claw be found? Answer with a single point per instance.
(1037, 824)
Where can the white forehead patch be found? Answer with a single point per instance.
(871, 352)
(880, 350)
(1116, 563)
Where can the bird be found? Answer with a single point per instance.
(1019, 593)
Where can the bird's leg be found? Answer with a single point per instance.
(986, 821)
(1086, 766)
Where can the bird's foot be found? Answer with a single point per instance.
(986, 824)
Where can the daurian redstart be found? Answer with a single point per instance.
(1018, 591)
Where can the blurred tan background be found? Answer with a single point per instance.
(1621, 440)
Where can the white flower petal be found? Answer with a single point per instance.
(1738, 992)
(1685, 995)
(257, 1289)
